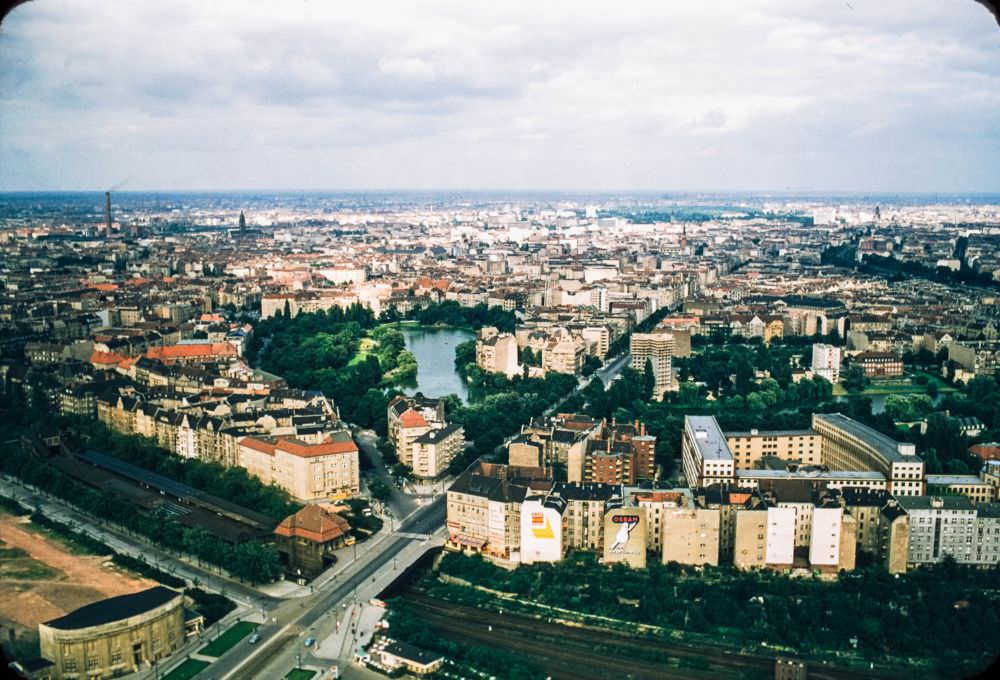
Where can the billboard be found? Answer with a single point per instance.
(625, 536)
(541, 530)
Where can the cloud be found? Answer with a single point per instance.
(573, 94)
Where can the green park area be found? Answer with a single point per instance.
(915, 383)
(187, 670)
(299, 674)
(228, 640)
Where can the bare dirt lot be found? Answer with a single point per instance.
(40, 579)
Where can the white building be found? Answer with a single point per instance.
(541, 529)
(826, 361)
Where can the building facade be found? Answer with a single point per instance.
(118, 635)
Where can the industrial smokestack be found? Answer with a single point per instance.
(107, 214)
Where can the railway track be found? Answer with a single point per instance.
(577, 653)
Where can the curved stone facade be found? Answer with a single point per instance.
(116, 647)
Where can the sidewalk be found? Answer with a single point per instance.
(194, 645)
(126, 544)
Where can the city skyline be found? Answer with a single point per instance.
(783, 97)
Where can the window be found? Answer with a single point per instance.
(69, 666)
(91, 663)
(116, 658)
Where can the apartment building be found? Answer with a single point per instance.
(620, 453)
(586, 504)
(849, 445)
(484, 512)
(496, 352)
(749, 448)
(657, 504)
(308, 472)
(826, 361)
(972, 487)
(433, 451)
(423, 440)
(939, 526)
(658, 349)
(690, 535)
(705, 455)
(564, 353)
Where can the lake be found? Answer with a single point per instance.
(434, 349)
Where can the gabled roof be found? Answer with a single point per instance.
(412, 418)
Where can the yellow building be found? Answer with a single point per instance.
(563, 354)
(849, 445)
(691, 535)
(748, 448)
(118, 635)
(972, 487)
(306, 471)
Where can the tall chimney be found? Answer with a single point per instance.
(107, 214)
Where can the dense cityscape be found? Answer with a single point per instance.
(386, 433)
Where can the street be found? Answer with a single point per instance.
(291, 621)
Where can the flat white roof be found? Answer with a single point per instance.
(708, 437)
(967, 480)
(832, 475)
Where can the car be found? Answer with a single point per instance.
(254, 639)
(310, 641)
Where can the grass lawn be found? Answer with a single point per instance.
(299, 674)
(364, 349)
(187, 670)
(227, 640)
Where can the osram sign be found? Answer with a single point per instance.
(625, 536)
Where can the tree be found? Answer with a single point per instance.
(744, 375)
(379, 490)
(855, 379)
(648, 380)
(755, 402)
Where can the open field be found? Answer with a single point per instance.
(227, 640)
(901, 385)
(41, 578)
(365, 346)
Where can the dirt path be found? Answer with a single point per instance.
(81, 581)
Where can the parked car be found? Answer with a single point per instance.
(310, 641)
(255, 638)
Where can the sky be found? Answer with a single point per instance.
(799, 95)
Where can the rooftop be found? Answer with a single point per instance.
(911, 503)
(884, 445)
(708, 437)
(114, 609)
(942, 480)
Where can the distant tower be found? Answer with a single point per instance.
(107, 214)
(243, 221)
(684, 237)
(878, 214)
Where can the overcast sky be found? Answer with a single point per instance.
(865, 95)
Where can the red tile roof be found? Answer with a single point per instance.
(297, 448)
(313, 523)
(411, 418)
(105, 358)
(208, 350)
